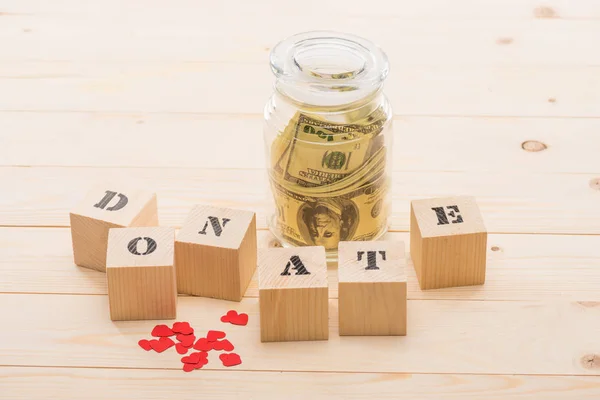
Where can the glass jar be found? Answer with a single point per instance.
(328, 141)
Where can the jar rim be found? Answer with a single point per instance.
(345, 66)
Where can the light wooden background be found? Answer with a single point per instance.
(169, 93)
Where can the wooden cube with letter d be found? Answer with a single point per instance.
(104, 207)
(215, 253)
(448, 242)
(372, 288)
(293, 294)
(140, 273)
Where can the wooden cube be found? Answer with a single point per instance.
(107, 206)
(293, 294)
(372, 288)
(140, 273)
(215, 253)
(448, 242)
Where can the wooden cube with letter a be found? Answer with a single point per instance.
(140, 273)
(215, 253)
(448, 242)
(293, 294)
(372, 288)
(107, 206)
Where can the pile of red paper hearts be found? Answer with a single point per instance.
(184, 334)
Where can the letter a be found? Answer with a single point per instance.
(298, 267)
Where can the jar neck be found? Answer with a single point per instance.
(376, 96)
(328, 70)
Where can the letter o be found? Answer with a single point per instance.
(132, 246)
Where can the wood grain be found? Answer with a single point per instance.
(378, 9)
(372, 288)
(69, 383)
(508, 337)
(419, 90)
(520, 267)
(476, 87)
(217, 264)
(450, 250)
(99, 211)
(461, 143)
(141, 284)
(175, 35)
(510, 202)
(293, 293)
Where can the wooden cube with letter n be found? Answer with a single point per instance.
(293, 294)
(372, 288)
(140, 273)
(215, 253)
(107, 206)
(448, 242)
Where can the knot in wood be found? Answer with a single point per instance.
(533, 146)
(591, 361)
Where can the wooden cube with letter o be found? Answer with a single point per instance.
(293, 294)
(372, 288)
(140, 273)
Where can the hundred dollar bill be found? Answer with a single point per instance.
(356, 214)
(321, 152)
(366, 174)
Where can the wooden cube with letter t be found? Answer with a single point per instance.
(372, 288)
(215, 253)
(140, 273)
(448, 242)
(293, 294)
(107, 206)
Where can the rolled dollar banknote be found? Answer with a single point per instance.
(306, 220)
(328, 180)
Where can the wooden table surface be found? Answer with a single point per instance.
(499, 99)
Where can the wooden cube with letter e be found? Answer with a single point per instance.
(372, 288)
(448, 242)
(140, 273)
(104, 207)
(293, 294)
(215, 253)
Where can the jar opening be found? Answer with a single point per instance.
(330, 58)
(328, 68)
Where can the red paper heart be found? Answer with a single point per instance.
(186, 340)
(195, 358)
(240, 319)
(183, 328)
(145, 344)
(181, 349)
(213, 336)
(162, 331)
(234, 318)
(161, 344)
(202, 363)
(223, 345)
(231, 359)
(189, 367)
(230, 314)
(203, 344)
